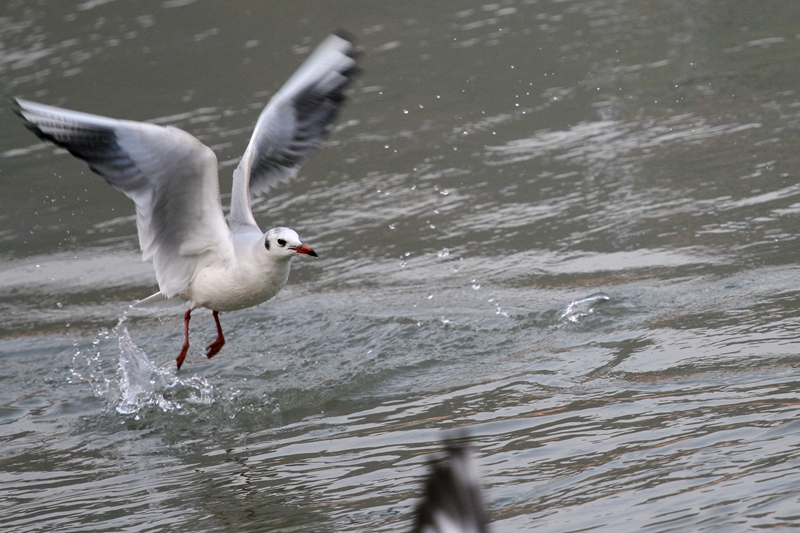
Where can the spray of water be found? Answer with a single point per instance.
(121, 373)
(579, 309)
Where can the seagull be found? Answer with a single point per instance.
(172, 178)
(452, 502)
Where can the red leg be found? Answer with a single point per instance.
(185, 349)
(214, 348)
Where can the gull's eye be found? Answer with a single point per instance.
(281, 242)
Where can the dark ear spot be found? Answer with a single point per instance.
(282, 242)
(266, 243)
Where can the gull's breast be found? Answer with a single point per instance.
(230, 288)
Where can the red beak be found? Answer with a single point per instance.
(303, 249)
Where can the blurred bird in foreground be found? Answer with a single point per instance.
(452, 502)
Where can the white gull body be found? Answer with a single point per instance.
(172, 178)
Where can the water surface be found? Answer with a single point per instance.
(497, 164)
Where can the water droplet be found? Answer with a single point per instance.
(59, 304)
(476, 285)
(405, 111)
(392, 226)
(430, 297)
(444, 252)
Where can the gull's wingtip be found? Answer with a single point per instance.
(348, 41)
(354, 51)
(21, 105)
(18, 106)
(23, 109)
(346, 35)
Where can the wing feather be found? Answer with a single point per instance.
(169, 174)
(293, 124)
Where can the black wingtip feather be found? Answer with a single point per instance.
(14, 105)
(95, 145)
(17, 108)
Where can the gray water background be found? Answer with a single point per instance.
(496, 162)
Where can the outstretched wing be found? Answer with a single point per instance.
(170, 175)
(293, 124)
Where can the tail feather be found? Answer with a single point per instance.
(156, 302)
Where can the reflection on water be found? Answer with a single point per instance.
(596, 144)
(570, 226)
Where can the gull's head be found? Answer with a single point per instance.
(285, 242)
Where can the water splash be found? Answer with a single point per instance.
(89, 367)
(579, 309)
(136, 383)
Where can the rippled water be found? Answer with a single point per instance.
(570, 226)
